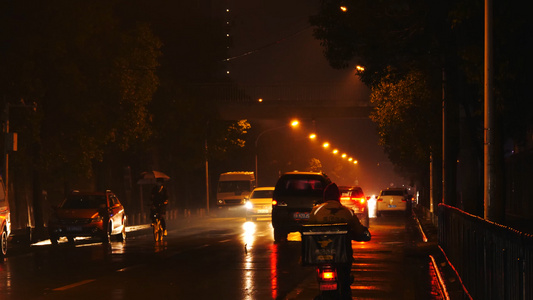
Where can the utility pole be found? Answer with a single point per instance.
(489, 121)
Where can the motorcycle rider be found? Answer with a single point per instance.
(159, 203)
(331, 211)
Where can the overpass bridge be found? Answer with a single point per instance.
(281, 101)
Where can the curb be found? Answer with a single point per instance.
(450, 282)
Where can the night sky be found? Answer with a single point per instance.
(273, 44)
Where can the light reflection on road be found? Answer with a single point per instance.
(5, 278)
(248, 238)
(274, 270)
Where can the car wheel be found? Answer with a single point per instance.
(54, 239)
(122, 235)
(3, 245)
(279, 235)
(106, 236)
(366, 220)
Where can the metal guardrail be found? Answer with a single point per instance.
(494, 261)
(172, 214)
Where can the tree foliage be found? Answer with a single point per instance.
(399, 37)
(378, 35)
(91, 79)
(405, 115)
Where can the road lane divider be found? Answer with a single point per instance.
(66, 287)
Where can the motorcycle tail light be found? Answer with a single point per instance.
(328, 274)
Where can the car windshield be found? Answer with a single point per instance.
(232, 186)
(355, 193)
(301, 187)
(392, 193)
(262, 194)
(84, 201)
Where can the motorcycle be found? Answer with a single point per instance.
(328, 248)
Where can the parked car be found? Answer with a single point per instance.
(294, 196)
(354, 198)
(259, 203)
(88, 214)
(393, 200)
(5, 220)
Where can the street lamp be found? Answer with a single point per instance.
(293, 123)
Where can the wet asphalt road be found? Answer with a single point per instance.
(215, 258)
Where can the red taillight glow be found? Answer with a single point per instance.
(327, 274)
(380, 199)
(404, 200)
(362, 200)
(345, 198)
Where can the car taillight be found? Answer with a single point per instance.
(362, 200)
(404, 200)
(380, 199)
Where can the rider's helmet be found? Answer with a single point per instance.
(331, 192)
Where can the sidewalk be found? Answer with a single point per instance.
(449, 280)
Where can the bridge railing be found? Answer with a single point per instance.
(493, 261)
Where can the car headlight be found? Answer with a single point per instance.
(248, 205)
(97, 219)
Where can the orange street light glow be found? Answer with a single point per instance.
(344, 8)
(312, 136)
(325, 145)
(294, 123)
(260, 100)
(335, 151)
(355, 161)
(344, 155)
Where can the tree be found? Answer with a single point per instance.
(91, 79)
(393, 41)
(405, 114)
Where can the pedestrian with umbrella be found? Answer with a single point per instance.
(159, 200)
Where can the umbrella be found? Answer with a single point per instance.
(151, 176)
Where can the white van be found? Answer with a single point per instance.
(233, 188)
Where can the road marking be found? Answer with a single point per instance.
(66, 287)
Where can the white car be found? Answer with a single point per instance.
(259, 203)
(393, 200)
